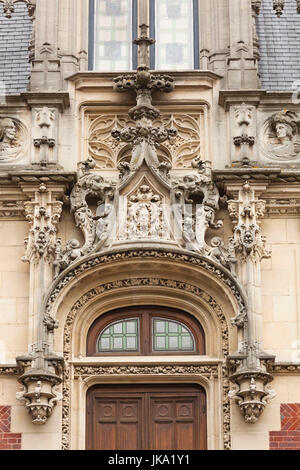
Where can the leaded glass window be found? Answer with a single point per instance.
(120, 336)
(174, 31)
(112, 35)
(171, 336)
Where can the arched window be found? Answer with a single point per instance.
(113, 25)
(144, 331)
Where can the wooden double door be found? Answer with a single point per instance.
(146, 418)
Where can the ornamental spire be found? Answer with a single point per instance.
(144, 138)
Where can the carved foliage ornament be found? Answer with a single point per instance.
(247, 241)
(43, 215)
(178, 148)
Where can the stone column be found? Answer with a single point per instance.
(45, 75)
(41, 368)
(248, 245)
(73, 26)
(242, 63)
(214, 34)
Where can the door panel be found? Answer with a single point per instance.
(117, 423)
(146, 418)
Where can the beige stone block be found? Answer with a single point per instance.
(250, 441)
(8, 389)
(285, 309)
(266, 264)
(22, 311)
(21, 421)
(279, 336)
(297, 269)
(293, 390)
(275, 230)
(277, 283)
(267, 308)
(288, 354)
(34, 441)
(14, 339)
(13, 233)
(293, 230)
(11, 259)
(14, 284)
(8, 311)
(283, 257)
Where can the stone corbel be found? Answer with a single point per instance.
(251, 393)
(39, 387)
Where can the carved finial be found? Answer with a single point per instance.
(144, 43)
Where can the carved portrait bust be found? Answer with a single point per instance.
(282, 135)
(9, 139)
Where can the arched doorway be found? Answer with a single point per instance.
(141, 416)
(146, 417)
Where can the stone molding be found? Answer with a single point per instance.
(155, 253)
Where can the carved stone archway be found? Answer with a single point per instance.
(206, 372)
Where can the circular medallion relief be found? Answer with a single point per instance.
(13, 137)
(280, 137)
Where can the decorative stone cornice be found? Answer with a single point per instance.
(36, 176)
(9, 370)
(206, 370)
(282, 207)
(12, 210)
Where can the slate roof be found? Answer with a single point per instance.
(279, 40)
(15, 35)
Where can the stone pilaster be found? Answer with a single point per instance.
(248, 366)
(41, 368)
(45, 75)
(242, 62)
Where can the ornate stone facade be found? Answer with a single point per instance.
(177, 189)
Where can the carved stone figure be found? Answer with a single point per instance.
(8, 138)
(283, 135)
